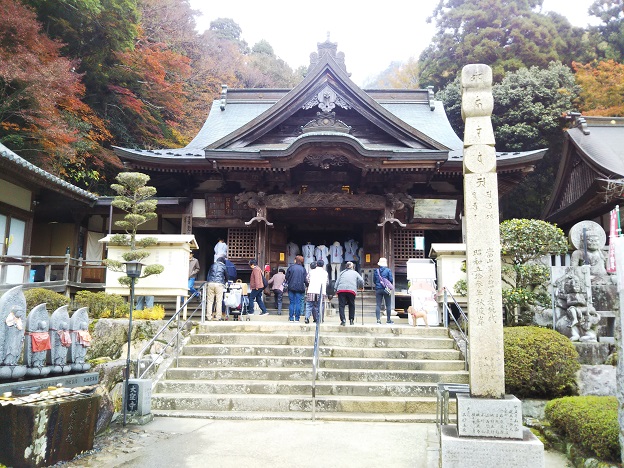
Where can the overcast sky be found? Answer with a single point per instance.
(371, 34)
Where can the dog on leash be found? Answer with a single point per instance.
(417, 313)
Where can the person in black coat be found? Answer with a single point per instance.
(296, 281)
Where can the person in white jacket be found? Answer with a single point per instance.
(317, 284)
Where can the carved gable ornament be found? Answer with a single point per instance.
(325, 161)
(327, 99)
(326, 121)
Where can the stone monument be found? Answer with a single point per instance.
(81, 340)
(61, 341)
(12, 323)
(489, 429)
(37, 342)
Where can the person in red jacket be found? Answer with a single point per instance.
(256, 286)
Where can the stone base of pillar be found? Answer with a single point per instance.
(480, 452)
(489, 417)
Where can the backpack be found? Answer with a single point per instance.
(387, 285)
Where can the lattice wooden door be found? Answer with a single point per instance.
(241, 243)
(403, 245)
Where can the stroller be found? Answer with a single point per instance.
(236, 301)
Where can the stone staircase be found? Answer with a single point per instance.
(262, 369)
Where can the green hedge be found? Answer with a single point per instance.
(539, 363)
(102, 305)
(591, 422)
(53, 300)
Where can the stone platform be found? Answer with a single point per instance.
(478, 452)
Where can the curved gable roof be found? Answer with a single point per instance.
(326, 72)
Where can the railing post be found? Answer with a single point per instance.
(66, 268)
(203, 302)
(27, 265)
(445, 308)
(79, 270)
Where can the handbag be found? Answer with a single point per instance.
(387, 285)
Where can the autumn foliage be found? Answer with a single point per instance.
(602, 86)
(41, 110)
(78, 77)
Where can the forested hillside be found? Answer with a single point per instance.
(77, 76)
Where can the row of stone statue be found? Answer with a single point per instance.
(37, 344)
(335, 253)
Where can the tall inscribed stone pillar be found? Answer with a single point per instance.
(489, 429)
(483, 264)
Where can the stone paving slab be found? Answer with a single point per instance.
(190, 442)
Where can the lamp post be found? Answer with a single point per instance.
(133, 271)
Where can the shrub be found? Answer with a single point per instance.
(53, 300)
(591, 422)
(539, 363)
(153, 313)
(102, 305)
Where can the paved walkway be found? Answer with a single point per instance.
(187, 442)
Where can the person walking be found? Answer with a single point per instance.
(277, 286)
(256, 286)
(380, 290)
(296, 281)
(317, 285)
(347, 284)
(216, 278)
(193, 272)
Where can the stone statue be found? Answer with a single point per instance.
(576, 317)
(12, 318)
(81, 340)
(588, 238)
(37, 341)
(60, 339)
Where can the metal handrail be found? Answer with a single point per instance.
(315, 355)
(176, 337)
(461, 327)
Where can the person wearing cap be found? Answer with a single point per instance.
(347, 284)
(256, 286)
(380, 290)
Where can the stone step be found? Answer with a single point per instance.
(325, 352)
(328, 340)
(268, 325)
(244, 387)
(303, 361)
(300, 415)
(324, 374)
(284, 403)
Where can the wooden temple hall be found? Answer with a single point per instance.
(323, 162)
